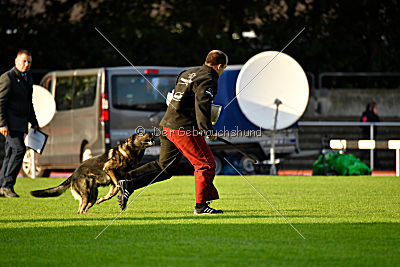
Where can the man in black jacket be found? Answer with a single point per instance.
(16, 110)
(185, 123)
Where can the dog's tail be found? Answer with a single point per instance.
(55, 191)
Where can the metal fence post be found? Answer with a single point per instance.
(397, 162)
(33, 163)
(371, 151)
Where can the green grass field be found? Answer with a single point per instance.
(347, 221)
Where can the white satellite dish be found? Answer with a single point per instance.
(265, 78)
(44, 105)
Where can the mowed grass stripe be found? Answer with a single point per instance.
(346, 220)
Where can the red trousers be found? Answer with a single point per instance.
(196, 150)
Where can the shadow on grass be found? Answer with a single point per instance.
(198, 218)
(203, 244)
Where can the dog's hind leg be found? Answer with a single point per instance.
(85, 200)
(78, 197)
(81, 191)
(80, 209)
(83, 205)
(92, 198)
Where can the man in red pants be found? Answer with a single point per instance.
(185, 123)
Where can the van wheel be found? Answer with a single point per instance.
(86, 153)
(27, 166)
(218, 164)
(247, 164)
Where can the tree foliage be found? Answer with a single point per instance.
(339, 35)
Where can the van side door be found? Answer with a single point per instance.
(61, 129)
(85, 114)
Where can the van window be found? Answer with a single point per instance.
(84, 91)
(63, 95)
(134, 92)
(47, 83)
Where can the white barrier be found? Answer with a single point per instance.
(371, 126)
(368, 144)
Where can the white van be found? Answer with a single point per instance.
(98, 108)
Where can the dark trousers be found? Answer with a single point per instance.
(173, 144)
(144, 174)
(14, 154)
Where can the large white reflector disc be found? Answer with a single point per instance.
(283, 79)
(44, 105)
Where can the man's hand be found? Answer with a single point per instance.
(35, 128)
(4, 130)
(212, 137)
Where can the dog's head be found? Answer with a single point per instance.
(141, 140)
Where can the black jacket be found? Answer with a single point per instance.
(16, 108)
(190, 107)
(369, 116)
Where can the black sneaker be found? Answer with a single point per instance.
(8, 192)
(125, 190)
(206, 210)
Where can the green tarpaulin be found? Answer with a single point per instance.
(340, 164)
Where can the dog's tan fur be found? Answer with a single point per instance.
(101, 170)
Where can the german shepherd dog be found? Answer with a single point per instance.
(102, 170)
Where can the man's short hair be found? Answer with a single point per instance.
(216, 57)
(24, 51)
